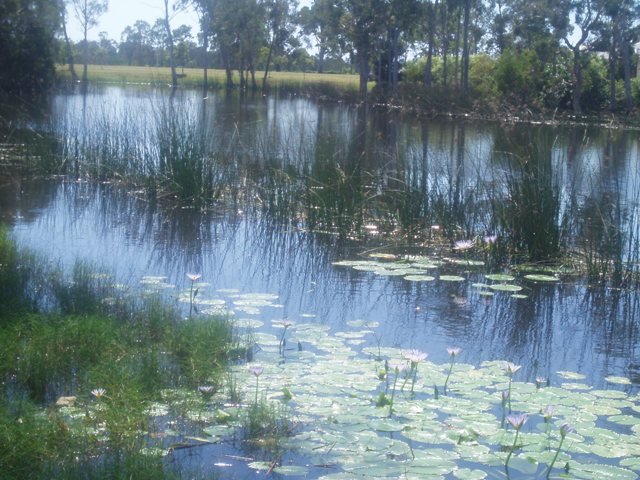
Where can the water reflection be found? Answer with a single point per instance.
(357, 178)
(558, 327)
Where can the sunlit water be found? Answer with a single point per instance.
(564, 326)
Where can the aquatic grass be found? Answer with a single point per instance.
(83, 293)
(51, 350)
(19, 279)
(200, 346)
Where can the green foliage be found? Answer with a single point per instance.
(516, 76)
(16, 278)
(42, 446)
(83, 293)
(482, 77)
(531, 216)
(27, 30)
(47, 353)
(200, 346)
(595, 85)
(267, 420)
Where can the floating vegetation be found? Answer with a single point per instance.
(541, 278)
(451, 278)
(505, 287)
(345, 423)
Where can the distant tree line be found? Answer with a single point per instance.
(548, 54)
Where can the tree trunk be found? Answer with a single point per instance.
(363, 66)
(626, 65)
(72, 70)
(266, 68)
(445, 45)
(205, 48)
(393, 60)
(428, 71)
(456, 64)
(85, 44)
(612, 69)
(321, 54)
(465, 49)
(174, 75)
(577, 81)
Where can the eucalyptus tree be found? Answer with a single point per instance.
(400, 18)
(239, 28)
(430, 9)
(279, 15)
(205, 10)
(27, 32)
(321, 20)
(87, 13)
(586, 16)
(136, 45)
(618, 32)
(67, 42)
(362, 24)
(170, 45)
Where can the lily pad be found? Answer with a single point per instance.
(505, 287)
(618, 380)
(541, 278)
(500, 277)
(452, 278)
(420, 278)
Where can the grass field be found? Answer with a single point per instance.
(195, 77)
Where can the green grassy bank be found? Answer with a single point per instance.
(83, 362)
(195, 77)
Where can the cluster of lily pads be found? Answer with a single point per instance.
(380, 412)
(419, 268)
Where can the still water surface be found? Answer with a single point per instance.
(563, 326)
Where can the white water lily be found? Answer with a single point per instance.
(98, 392)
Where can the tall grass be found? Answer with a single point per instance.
(107, 361)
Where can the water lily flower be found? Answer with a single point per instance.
(547, 413)
(540, 381)
(517, 420)
(463, 245)
(490, 239)
(206, 389)
(194, 276)
(453, 351)
(257, 371)
(566, 429)
(415, 356)
(512, 368)
(98, 392)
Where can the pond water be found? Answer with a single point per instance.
(388, 188)
(565, 325)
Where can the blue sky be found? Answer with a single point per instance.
(123, 13)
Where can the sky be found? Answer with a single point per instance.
(123, 13)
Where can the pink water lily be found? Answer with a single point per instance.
(194, 276)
